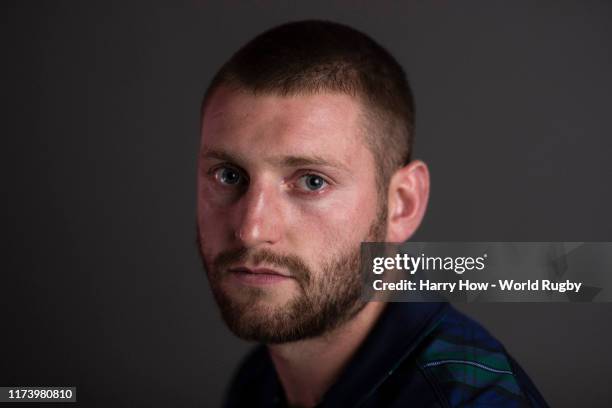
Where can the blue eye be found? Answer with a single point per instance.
(228, 176)
(312, 182)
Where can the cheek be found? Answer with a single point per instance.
(213, 222)
(344, 217)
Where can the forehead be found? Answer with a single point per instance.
(263, 125)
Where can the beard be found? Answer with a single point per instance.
(325, 300)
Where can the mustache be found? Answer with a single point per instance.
(298, 268)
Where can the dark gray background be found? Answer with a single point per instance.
(101, 286)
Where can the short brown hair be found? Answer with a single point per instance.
(317, 56)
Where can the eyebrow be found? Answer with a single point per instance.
(219, 155)
(278, 161)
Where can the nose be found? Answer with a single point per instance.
(258, 216)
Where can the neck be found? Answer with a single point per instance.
(308, 368)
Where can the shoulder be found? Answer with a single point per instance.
(466, 365)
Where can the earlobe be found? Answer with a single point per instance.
(408, 196)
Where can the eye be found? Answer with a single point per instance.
(228, 176)
(312, 182)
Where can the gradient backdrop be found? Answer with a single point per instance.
(100, 284)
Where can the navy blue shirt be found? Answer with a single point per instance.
(417, 355)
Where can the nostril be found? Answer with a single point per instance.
(239, 235)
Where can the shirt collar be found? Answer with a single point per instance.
(398, 331)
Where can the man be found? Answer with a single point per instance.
(305, 153)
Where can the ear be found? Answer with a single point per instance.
(407, 200)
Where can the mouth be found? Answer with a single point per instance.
(258, 276)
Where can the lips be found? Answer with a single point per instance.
(258, 276)
(258, 271)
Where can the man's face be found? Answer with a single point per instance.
(286, 194)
